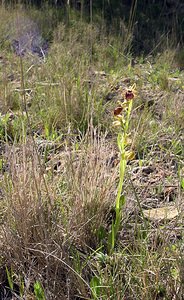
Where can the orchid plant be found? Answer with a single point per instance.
(122, 115)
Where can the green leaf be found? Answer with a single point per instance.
(121, 201)
(101, 233)
(95, 287)
(182, 183)
(10, 279)
(111, 238)
(39, 292)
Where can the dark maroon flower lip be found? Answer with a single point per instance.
(129, 95)
(118, 110)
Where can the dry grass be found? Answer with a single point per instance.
(39, 230)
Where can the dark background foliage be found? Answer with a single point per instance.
(153, 22)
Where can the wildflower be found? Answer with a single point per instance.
(128, 141)
(119, 117)
(118, 110)
(128, 155)
(116, 123)
(130, 93)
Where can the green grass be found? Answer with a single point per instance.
(59, 166)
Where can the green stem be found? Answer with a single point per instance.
(123, 161)
(128, 116)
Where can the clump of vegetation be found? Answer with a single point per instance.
(66, 230)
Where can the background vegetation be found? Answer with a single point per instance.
(59, 158)
(139, 17)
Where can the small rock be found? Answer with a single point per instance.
(161, 213)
